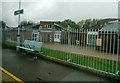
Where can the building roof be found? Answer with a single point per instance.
(48, 22)
(111, 26)
(59, 25)
(36, 26)
(27, 27)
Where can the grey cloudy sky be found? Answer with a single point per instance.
(52, 10)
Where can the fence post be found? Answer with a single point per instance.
(118, 56)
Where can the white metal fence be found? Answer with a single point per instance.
(92, 48)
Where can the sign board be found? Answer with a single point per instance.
(18, 12)
(99, 42)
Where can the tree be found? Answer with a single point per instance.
(23, 23)
(81, 23)
(87, 24)
(26, 23)
(94, 22)
(30, 23)
(3, 24)
(69, 22)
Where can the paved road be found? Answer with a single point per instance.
(28, 70)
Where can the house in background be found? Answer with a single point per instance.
(110, 38)
(92, 32)
(57, 32)
(83, 37)
(92, 35)
(75, 36)
(50, 31)
(46, 31)
(36, 33)
(10, 34)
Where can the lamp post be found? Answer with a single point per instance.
(40, 36)
(68, 29)
(18, 12)
(18, 33)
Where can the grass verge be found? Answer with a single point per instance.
(88, 61)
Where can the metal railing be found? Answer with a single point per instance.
(91, 48)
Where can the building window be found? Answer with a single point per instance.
(55, 36)
(92, 39)
(32, 35)
(35, 36)
(49, 26)
(58, 37)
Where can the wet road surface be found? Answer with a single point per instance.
(27, 69)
